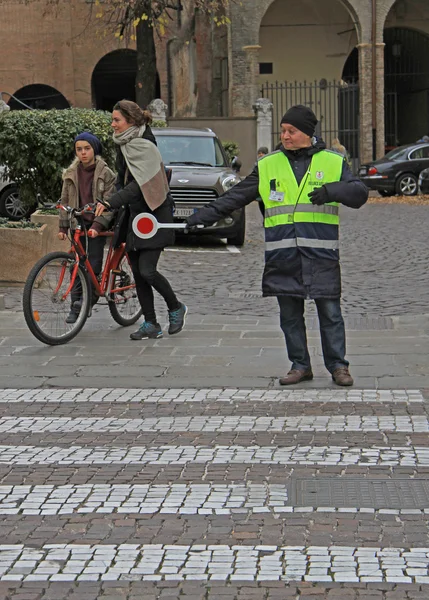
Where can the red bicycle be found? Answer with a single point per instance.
(59, 277)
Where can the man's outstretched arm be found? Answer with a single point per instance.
(237, 197)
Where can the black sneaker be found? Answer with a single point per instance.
(74, 312)
(72, 317)
(147, 331)
(177, 319)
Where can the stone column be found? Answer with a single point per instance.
(365, 101)
(263, 108)
(3, 106)
(158, 109)
(244, 84)
(379, 98)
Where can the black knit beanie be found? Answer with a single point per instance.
(302, 118)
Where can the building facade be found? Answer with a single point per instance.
(362, 65)
(380, 45)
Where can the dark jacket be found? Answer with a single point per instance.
(303, 276)
(129, 199)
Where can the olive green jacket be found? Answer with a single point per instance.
(103, 186)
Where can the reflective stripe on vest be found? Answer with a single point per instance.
(328, 209)
(295, 207)
(302, 242)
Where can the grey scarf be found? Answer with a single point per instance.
(144, 162)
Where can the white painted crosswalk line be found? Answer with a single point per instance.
(168, 499)
(129, 562)
(225, 395)
(218, 424)
(391, 456)
(147, 499)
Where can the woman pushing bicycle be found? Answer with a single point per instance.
(87, 179)
(143, 188)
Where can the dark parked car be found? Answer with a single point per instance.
(201, 172)
(11, 206)
(397, 172)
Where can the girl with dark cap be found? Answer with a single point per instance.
(86, 179)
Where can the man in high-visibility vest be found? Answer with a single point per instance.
(302, 185)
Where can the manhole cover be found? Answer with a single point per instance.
(360, 493)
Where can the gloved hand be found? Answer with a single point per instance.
(191, 228)
(319, 196)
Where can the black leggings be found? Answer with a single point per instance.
(95, 251)
(144, 263)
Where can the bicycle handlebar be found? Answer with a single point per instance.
(77, 212)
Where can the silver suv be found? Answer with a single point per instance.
(201, 172)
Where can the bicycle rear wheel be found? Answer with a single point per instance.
(124, 305)
(49, 294)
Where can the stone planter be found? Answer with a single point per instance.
(52, 242)
(20, 249)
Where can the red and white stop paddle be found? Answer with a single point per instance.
(146, 225)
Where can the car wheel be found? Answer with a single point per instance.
(407, 185)
(384, 193)
(240, 233)
(11, 206)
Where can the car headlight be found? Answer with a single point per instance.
(229, 182)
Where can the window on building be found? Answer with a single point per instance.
(266, 68)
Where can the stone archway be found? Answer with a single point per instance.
(113, 79)
(319, 35)
(40, 96)
(406, 84)
(246, 48)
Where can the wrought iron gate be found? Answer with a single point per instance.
(336, 105)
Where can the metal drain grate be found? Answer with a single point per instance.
(360, 493)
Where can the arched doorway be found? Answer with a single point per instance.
(325, 32)
(114, 77)
(406, 71)
(38, 96)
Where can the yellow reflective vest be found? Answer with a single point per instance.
(291, 220)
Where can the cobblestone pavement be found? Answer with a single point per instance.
(384, 255)
(214, 493)
(178, 469)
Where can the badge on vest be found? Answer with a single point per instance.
(276, 196)
(319, 175)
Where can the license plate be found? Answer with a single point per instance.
(362, 171)
(184, 212)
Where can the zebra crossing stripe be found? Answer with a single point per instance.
(157, 562)
(205, 499)
(225, 395)
(168, 499)
(217, 424)
(392, 456)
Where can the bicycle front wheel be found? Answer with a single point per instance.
(56, 298)
(124, 304)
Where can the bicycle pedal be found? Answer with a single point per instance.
(116, 271)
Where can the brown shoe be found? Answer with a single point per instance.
(341, 376)
(296, 376)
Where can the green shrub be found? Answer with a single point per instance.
(5, 224)
(36, 145)
(231, 148)
(48, 211)
(158, 124)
